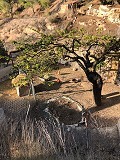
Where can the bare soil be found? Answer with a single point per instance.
(81, 91)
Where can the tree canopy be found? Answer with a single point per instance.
(87, 50)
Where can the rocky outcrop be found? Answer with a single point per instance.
(18, 28)
(110, 13)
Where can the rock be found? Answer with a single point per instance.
(103, 10)
(114, 15)
(76, 80)
(29, 30)
(75, 69)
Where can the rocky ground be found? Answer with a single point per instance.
(81, 91)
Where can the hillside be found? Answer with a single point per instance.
(92, 16)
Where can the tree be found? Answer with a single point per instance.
(87, 50)
(95, 49)
(36, 58)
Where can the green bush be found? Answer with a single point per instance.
(44, 3)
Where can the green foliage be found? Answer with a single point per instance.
(27, 3)
(42, 56)
(37, 58)
(6, 6)
(44, 3)
(20, 80)
(3, 7)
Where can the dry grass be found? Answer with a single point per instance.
(48, 140)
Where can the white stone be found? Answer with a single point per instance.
(50, 26)
(104, 8)
(114, 18)
(63, 9)
(29, 30)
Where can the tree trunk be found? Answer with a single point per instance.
(97, 82)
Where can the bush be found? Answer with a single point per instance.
(20, 80)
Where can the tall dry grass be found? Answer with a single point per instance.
(47, 139)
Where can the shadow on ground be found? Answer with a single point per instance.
(108, 100)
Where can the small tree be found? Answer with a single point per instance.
(87, 50)
(37, 58)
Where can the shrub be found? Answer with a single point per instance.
(20, 80)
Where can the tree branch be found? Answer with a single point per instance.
(75, 59)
